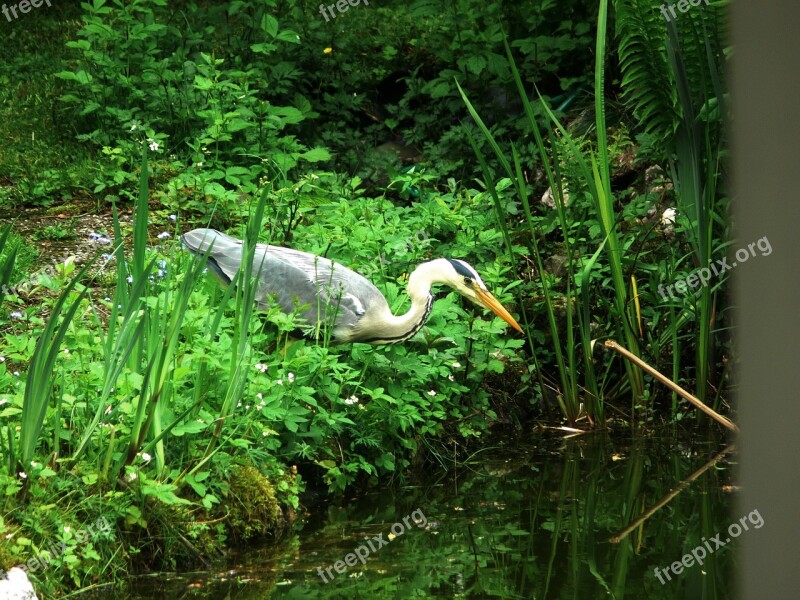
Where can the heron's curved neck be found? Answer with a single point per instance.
(398, 328)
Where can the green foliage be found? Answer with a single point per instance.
(648, 78)
(686, 57)
(8, 257)
(140, 77)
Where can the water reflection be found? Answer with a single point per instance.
(527, 522)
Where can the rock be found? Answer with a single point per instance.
(549, 199)
(15, 585)
(554, 264)
(656, 180)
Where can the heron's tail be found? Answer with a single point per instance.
(224, 256)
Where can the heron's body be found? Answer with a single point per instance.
(323, 292)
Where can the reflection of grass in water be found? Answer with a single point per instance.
(533, 522)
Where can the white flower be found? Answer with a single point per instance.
(164, 235)
(668, 217)
(279, 382)
(131, 476)
(260, 396)
(290, 377)
(351, 400)
(456, 365)
(146, 457)
(431, 393)
(129, 279)
(23, 474)
(67, 528)
(3, 401)
(173, 217)
(16, 315)
(262, 367)
(451, 378)
(153, 145)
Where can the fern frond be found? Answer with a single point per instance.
(646, 78)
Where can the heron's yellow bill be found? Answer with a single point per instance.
(492, 304)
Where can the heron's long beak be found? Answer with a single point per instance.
(492, 304)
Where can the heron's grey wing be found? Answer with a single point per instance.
(329, 292)
(225, 256)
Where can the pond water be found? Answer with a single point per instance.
(531, 520)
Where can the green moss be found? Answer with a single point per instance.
(253, 510)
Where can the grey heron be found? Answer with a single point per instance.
(327, 293)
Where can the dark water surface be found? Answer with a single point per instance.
(532, 521)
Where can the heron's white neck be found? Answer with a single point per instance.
(398, 328)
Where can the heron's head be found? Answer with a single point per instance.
(464, 279)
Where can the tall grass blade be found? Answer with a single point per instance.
(39, 382)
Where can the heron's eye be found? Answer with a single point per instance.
(467, 281)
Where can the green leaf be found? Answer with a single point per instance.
(317, 154)
(287, 35)
(270, 25)
(190, 427)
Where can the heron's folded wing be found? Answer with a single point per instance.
(225, 255)
(327, 290)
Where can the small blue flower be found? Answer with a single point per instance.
(16, 315)
(162, 263)
(129, 279)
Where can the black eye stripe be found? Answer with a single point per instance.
(461, 269)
